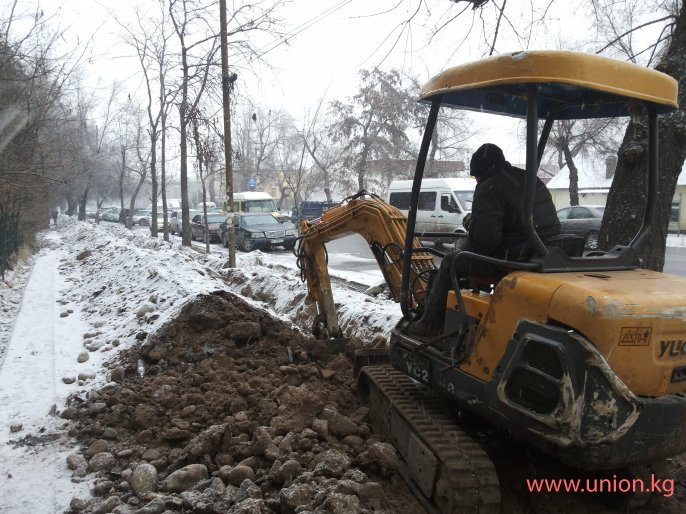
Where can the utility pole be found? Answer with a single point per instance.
(227, 81)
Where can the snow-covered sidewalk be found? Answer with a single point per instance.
(41, 350)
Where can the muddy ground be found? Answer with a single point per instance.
(226, 409)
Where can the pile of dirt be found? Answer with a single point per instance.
(227, 409)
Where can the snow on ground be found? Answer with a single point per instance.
(676, 240)
(93, 290)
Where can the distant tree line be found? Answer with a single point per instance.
(60, 144)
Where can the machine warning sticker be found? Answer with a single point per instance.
(635, 336)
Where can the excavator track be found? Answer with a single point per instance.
(447, 470)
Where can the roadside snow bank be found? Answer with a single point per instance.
(131, 284)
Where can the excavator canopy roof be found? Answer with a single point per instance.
(573, 85)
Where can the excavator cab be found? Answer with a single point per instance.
(571, 353)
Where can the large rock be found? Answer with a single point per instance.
(107, 505)
(236, 475)
(247, 490)
(251, 506)
(302, 399)
(75, 461)
(156, 506)
(261, 440)
(101, 462)
(338, 503)
(185, 478)
(145, 416)
(331, 463)
(287, 472)
(339, 425)
(380, 457)
(207, 440)
(297, 495)
(97, 446)
(143, 480)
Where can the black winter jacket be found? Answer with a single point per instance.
(497, 227)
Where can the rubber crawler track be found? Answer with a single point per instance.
(444, 464)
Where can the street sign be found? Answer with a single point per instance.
(252, 182)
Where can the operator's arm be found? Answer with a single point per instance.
(486, 226)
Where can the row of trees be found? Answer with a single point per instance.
(63, 145)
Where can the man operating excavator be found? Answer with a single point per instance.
(496, 229)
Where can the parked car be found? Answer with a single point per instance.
(160, 220)
(584, 221)
(213, 222)
(141, 217)
(110, 214)
(175, 219)
(310, 210)
(259, 230)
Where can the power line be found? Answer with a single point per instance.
(301, 28)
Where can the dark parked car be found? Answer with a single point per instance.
(213, 222)
(259, 230)
(584, 221)
(311, 210)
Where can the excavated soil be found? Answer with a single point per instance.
(227, 409)
(221, 418)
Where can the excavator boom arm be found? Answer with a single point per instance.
(383, 227)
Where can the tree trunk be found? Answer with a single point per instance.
(362, 168)
(573, 177)
(153, 176)
(210, 186)
(626, 201)
(82, 205)
(72, 205)
(186, 230)
(163, 171)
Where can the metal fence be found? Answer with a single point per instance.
(9, 240)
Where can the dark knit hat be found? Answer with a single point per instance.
(485, 158)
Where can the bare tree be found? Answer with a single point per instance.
(149, 39)
(626, 201)
(204, 139)
(297, 175)
(143, 155)
(38, 123)
(374, 122)
(199, 57)
(571, 138)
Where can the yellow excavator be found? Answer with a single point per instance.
(581, 356)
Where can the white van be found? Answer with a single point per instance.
(442, 205)
(256, 201)
(201, 207)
